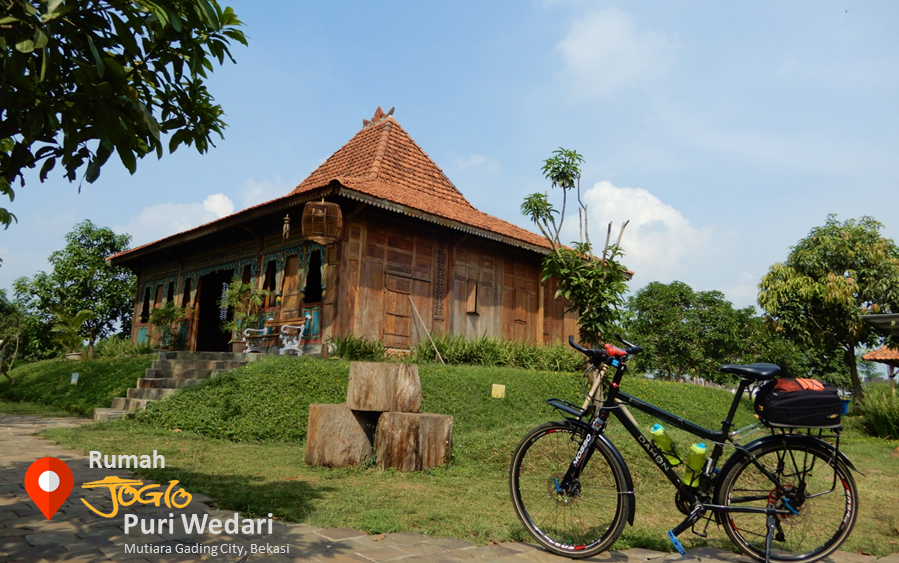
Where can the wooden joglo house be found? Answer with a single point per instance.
(413, 253)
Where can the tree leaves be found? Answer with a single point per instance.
(839, 271)
(109, 75)
(82, 279)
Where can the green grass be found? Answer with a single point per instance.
(99, 382)
(469, 498)
(34, 409)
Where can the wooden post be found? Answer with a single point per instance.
(338, 437)
(413, 441)
(382, 387)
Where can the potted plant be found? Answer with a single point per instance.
(247, 303)
(166, 322)
(67, 330)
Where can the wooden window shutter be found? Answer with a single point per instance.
(471, 305)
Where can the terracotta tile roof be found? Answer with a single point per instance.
(881, 355)
(382, 161)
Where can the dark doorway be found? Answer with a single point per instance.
(210, 337)
(314, 278)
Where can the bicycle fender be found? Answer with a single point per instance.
(755, 444)
(616, 455)
(628, 481)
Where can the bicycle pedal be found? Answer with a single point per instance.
(677, 544)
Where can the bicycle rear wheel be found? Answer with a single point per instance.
(578, 523)
(816, 486)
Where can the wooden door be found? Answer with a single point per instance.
(398, 312)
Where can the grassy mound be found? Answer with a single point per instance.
(99, 382)
(268, 400)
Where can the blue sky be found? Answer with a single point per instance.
(723, 131)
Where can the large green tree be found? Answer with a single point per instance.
(82, 279)
(593, 285)
(687, 332)
(840, 271)
(83, 79)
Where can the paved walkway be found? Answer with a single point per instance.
(77, 534)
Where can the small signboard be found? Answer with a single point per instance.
(499, 391)
(74, 379)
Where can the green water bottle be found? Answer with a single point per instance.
(695, 461)
(664, 442)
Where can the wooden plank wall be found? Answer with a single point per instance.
(460, 284)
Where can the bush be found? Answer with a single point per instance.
(881, 411)
(355, 349)
(119, 346)
(488, 351)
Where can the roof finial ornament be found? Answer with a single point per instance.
(378, 117)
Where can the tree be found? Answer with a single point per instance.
(246, 302)
(83, 79)
(68, 328)
(83, 279)
(838, 272)
(166, 322)
(686, 332)
(593, 285)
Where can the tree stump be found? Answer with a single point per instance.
(338, 437)
(383, 387)
(413, 441)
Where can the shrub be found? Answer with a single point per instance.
(488, 351)
(881, 411)
(355, 349)
(119, 346)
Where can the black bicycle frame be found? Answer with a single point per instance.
(613, 405)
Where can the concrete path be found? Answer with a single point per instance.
(76, 533)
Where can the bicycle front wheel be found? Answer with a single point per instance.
(815, 486)
(590, 515)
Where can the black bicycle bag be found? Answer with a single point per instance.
(798, 403)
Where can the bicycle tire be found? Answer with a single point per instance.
(579, 525)
(820, 489)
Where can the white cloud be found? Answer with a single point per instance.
(660, 244)
(164, 219)
(481, 162)
(254, 193)
(604, 52)
(220, 204)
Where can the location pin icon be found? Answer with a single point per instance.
(49, 482)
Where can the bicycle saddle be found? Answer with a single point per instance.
(752, 372)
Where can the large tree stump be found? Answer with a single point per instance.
(413, 441)
(338, 437)
(383, 387)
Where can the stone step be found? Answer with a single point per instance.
(151, 394)
(165, 383)
(197, 364)
(181, 373)
(101, 414)
(129, 405)
(206, 356)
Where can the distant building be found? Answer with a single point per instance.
(413, 253)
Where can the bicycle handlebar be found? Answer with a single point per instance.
(592, 353)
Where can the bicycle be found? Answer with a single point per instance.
(788, 496)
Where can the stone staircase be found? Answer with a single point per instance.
(170, 372)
